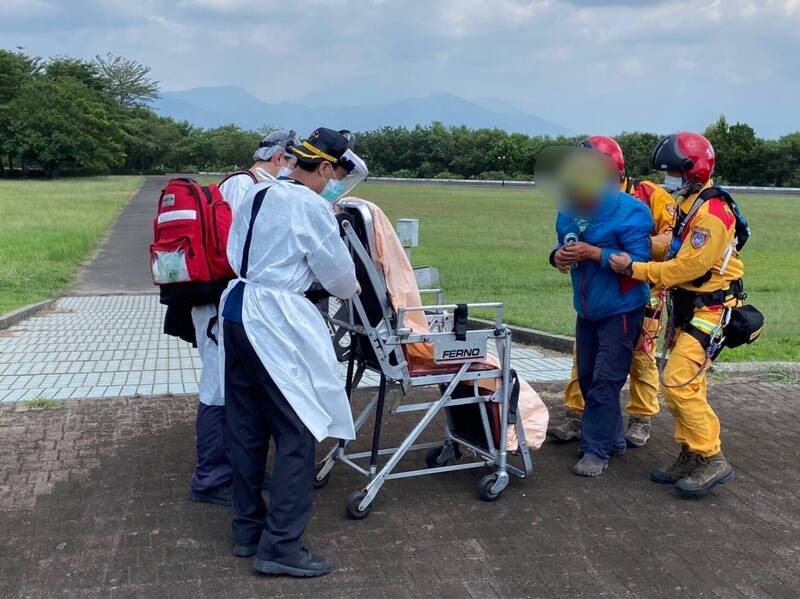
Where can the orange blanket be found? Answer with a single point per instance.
(403, 289)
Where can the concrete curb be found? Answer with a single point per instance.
(11, 318)
(559, 343)
(758, 368)
(564, 343)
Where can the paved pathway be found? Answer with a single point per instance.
(121, 264)
(93, 505)
(112, 346)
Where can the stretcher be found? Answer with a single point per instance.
(370, 334)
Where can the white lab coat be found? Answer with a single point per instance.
(295, 241)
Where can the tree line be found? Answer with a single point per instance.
(67, 115)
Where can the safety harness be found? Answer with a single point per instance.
(713, 337)
(741, 234)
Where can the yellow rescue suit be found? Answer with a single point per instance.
(644, 372)
(706, 249)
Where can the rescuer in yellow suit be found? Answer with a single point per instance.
(704, 272)
(643, 402)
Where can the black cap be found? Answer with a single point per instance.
(323, 144)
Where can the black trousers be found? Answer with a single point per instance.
(604, 350)
(255, 410)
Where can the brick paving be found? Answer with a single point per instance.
(93, 504)
(113, 346)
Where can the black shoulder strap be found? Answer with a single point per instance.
(257, 201)
(712, 192)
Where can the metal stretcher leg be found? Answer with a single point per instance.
(323, 469)
(376, 432)
(359, 502)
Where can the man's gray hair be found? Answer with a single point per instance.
(273, 143)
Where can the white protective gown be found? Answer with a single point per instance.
(210, 389)
(295, 241)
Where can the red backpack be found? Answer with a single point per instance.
(190, 234)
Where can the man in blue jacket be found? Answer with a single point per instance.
(595, 221)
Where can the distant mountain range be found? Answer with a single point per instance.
(216, 106)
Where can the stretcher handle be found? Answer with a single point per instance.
(498, 306)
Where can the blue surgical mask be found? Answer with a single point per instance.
(284, 171)
(333, 190)
(672, 184)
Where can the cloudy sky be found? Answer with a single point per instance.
(592, 66)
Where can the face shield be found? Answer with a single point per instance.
(356, 173)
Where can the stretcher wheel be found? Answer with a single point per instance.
(318, 484)
(485, 488)
(352, 506)
(441, 456)
(437, 456)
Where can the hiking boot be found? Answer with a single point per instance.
(221, 495)
(567, 429)
(638, 431)
(710, 472)
(590, 465)
(682, 467)
(303, 565)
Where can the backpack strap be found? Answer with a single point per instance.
(687, 218)
(714, 192)
(236, 174)
(257, 202)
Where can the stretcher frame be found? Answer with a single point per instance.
(386, 339)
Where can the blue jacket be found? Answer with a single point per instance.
(621, 223)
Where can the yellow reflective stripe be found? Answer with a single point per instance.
(704, 325)
(315, 152)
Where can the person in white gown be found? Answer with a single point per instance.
(212, 476)
(279, 366)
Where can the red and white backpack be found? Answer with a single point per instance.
(188, 256)
(190, 234)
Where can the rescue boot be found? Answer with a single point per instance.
(567, 429)
(590, 465)
(682, 467)
(638, 433)
(710, 472)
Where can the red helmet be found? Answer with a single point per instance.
(688, 153)
(609, 147)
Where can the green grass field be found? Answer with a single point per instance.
(492, 244)
(49, 228)
(488, 244)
